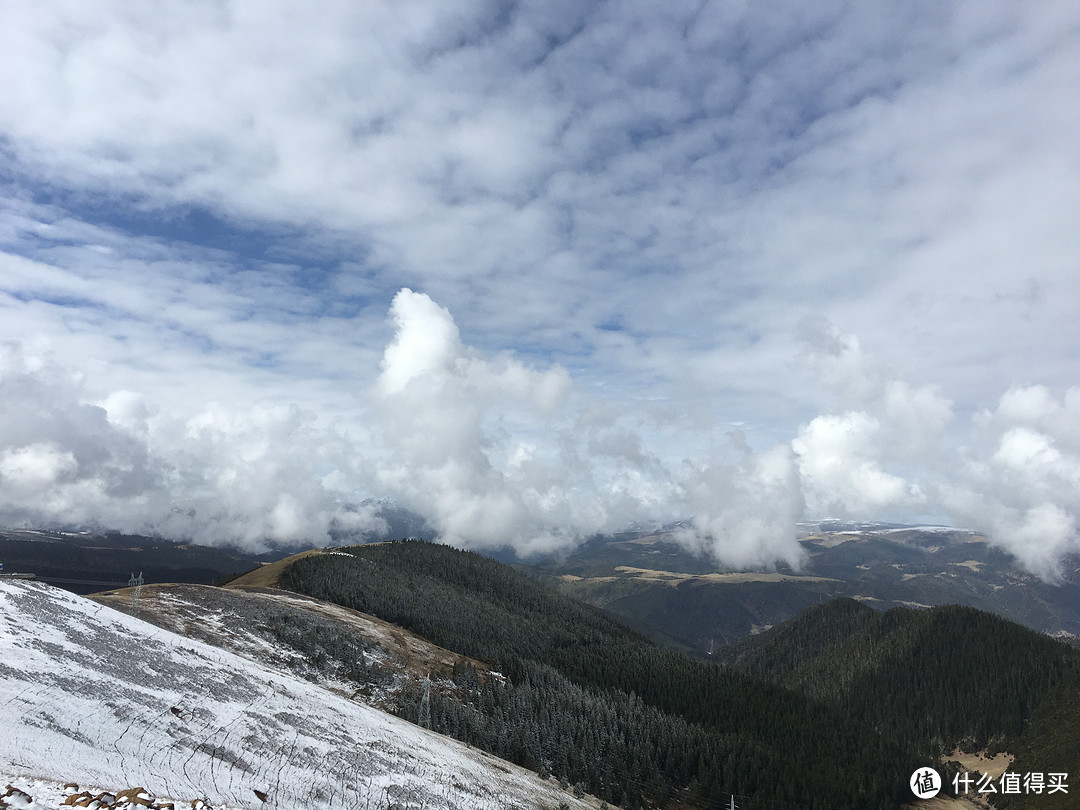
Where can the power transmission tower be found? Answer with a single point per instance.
(425, 705)
(135, 582)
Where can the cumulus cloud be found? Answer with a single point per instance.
(61, 458)
(1013, 472)
(840, 467)
(498, 453)
(264, 475)
(255, 477)
(427, 343)
(459, 432)
(493, 452)
(1020, 481)
(207, 209)
(858, 462)
(745, 511)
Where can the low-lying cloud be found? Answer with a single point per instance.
(1011, 471)
(497, 453)
(255, 477)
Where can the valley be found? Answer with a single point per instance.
(680, 599)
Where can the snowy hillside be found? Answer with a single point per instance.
(93, 696)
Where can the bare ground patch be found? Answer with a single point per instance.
(675, 577)
(993, 766)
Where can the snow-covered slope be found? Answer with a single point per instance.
(93, 696)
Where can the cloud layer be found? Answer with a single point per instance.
(495, 453)
(640, 261)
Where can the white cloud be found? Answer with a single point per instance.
(745, 513)
(1023, 487)
(33, 470)
(858, 462)
(427, 343)
(628, 210)
(1015, 473)
(251, 476)
(497, 453)
(452, 422)
(1035, 407)
(61, 459)
(840, 468)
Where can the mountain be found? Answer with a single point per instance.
(267, 693)
(344, 650)
(88, 561)
(85, 561)
(96, 697)
(689, 602)
(592, 702)
(944, 676)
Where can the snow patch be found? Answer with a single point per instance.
(94, 696)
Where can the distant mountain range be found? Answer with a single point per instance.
(688, 601)
(642, 575)
(87, 561)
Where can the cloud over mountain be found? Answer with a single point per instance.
(640, 262)
(495, 453)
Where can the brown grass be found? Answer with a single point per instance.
(674, 577)
(993, 766)
(267, 575)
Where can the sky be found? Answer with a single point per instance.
(539, 270)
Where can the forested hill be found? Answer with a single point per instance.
(942, 675)
(594, 703)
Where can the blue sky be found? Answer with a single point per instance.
(753, 263)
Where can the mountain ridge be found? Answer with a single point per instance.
(715, 734)
(961, 677)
